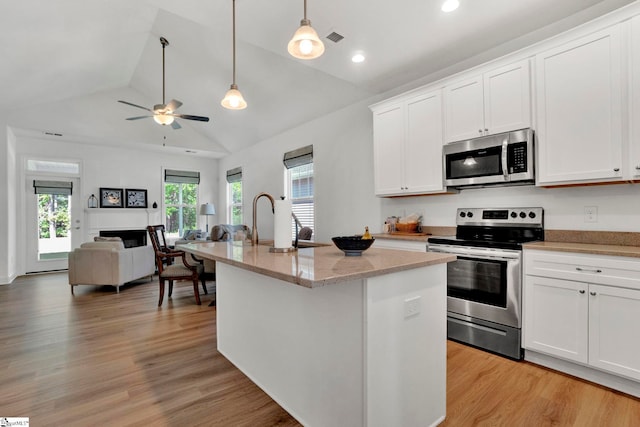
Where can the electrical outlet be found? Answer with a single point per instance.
(590, 214)
(411, 307)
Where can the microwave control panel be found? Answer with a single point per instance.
(517, 157)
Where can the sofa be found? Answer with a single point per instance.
(109, 263)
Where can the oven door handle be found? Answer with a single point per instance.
(505, 170)
(477, 252)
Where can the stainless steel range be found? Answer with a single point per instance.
(484, 285)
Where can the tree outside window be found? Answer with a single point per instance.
(53, 215)
(235, 202)
(181, 201)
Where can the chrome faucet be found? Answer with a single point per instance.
(254, 230)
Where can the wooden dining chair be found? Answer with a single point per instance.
(170, 271)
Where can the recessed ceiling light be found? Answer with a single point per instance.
(357, 58)
(450, 5)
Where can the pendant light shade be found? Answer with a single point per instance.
(233, 99)
(305, 43)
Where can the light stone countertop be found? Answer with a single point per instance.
(314, 267)
(585, 248)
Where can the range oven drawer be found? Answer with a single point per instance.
(494, 337)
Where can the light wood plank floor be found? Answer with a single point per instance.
(101, 358)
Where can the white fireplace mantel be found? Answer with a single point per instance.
(119, 219)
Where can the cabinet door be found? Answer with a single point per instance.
(614, 339)
(579, 110)
(423, 146)
(634, 55)
(555, 317)
(464, 110)
(507, 98)
(388, 146)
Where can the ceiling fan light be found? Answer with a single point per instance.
(163, 119)
(233, 99)
(305, 43)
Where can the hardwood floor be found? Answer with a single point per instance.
(101, 358)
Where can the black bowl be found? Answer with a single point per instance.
(352, 245)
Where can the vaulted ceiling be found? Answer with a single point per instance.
(65, 63)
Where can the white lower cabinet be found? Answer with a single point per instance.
(588, 320)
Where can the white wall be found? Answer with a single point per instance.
(105, 166)
(7, 196)
(618, 205)
(343, 173)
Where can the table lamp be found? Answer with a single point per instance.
(207, 209)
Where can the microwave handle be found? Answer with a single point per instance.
(505, 172)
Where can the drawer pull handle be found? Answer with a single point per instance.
(592, 293)
(581, 291)
(586, 270)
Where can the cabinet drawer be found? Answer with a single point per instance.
(597, 269)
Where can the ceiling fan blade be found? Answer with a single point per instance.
(134, 105)
(175, 125)
(190, 117)
(137, 117)
(173, 105)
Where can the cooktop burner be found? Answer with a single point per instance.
(504, 228)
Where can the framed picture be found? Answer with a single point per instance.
(136, 198)
(111, 198)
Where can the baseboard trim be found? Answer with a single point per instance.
(7, 280)
(597, 376)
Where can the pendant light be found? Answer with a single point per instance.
(233, 99)
(305, 43)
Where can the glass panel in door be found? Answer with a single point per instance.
(479, 280)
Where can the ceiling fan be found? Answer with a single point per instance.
(165, 113)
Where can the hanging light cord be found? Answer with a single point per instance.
(305, 10)
(163, 46)
(234, 42)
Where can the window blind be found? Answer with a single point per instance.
(53, 187)
(298, 157)
(184, 177)
(234, 175)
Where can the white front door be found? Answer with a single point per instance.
(53, 225)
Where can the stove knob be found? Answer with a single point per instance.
(469, 214)
(523, 215)
(514, 215)
(532, 215)
(462, 214)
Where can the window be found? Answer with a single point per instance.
(299, 184)
(234, 196)
(180, 201)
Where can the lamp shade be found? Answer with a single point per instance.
(207, 209)
(163, 119)
(305, 43)
(234, 100)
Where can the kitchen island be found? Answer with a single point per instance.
(336, 340)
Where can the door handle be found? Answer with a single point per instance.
(586, 270)
(581, 291)
(592, 293)
(505, 172)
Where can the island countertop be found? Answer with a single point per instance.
(314, 267)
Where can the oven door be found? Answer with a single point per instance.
(484, 283)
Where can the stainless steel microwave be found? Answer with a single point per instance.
(502, 159)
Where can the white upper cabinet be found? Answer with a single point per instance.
(407, 139)
(494, 102)
(634, 55)
(579, 110)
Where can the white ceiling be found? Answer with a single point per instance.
(65, 63)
